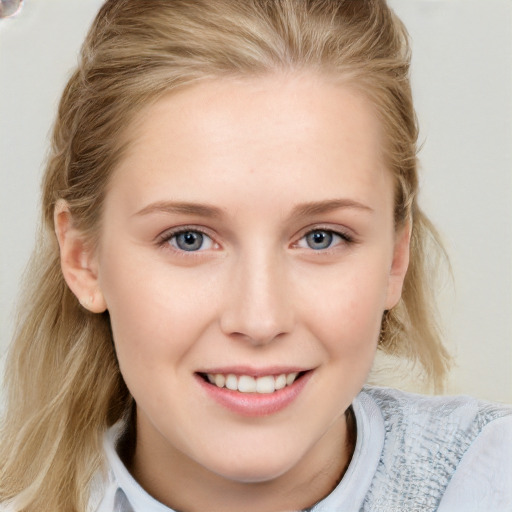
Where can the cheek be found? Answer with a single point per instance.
(156, 313)
(347, 312)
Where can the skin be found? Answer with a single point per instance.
(256, 294)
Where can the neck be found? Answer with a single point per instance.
(182, 484)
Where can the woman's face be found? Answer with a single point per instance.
(248, 235)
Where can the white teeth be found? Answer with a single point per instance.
(231, 382)
(266, 384)
(247, 384)
(280, 381)
(219, 380)
(290, 378)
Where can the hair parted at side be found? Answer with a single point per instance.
(63, 385)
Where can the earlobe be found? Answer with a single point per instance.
(399, 265)
(77, 261)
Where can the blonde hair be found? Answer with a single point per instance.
(63, 384)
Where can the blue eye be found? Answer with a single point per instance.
(320, 239)
(191, 241)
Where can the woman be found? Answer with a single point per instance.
(231, 231)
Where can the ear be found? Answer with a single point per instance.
(399, 265)
(77, 261)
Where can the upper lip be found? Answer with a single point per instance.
(254, 372)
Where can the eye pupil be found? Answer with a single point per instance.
(189, 241)
(319, 239)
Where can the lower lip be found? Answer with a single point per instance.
(255, 404)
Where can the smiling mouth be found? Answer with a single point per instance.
(265, 384)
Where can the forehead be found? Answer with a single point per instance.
(303, 134)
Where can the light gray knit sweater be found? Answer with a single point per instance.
(413, 453)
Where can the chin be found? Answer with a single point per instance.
(253, 471)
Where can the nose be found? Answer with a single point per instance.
(258, 308)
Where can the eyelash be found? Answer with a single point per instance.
(345, 238)
(164, 240)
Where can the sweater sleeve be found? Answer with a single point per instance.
(483, 478)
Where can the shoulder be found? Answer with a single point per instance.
(483, 478)
(446, 425)
(427, 440)
(448, 422)
(453, 412)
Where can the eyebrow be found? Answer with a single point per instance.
(328, 205)
(206, 210)
(202, 210)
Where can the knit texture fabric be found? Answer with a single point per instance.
(425, 439)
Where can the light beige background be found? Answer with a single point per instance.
(462, 80)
